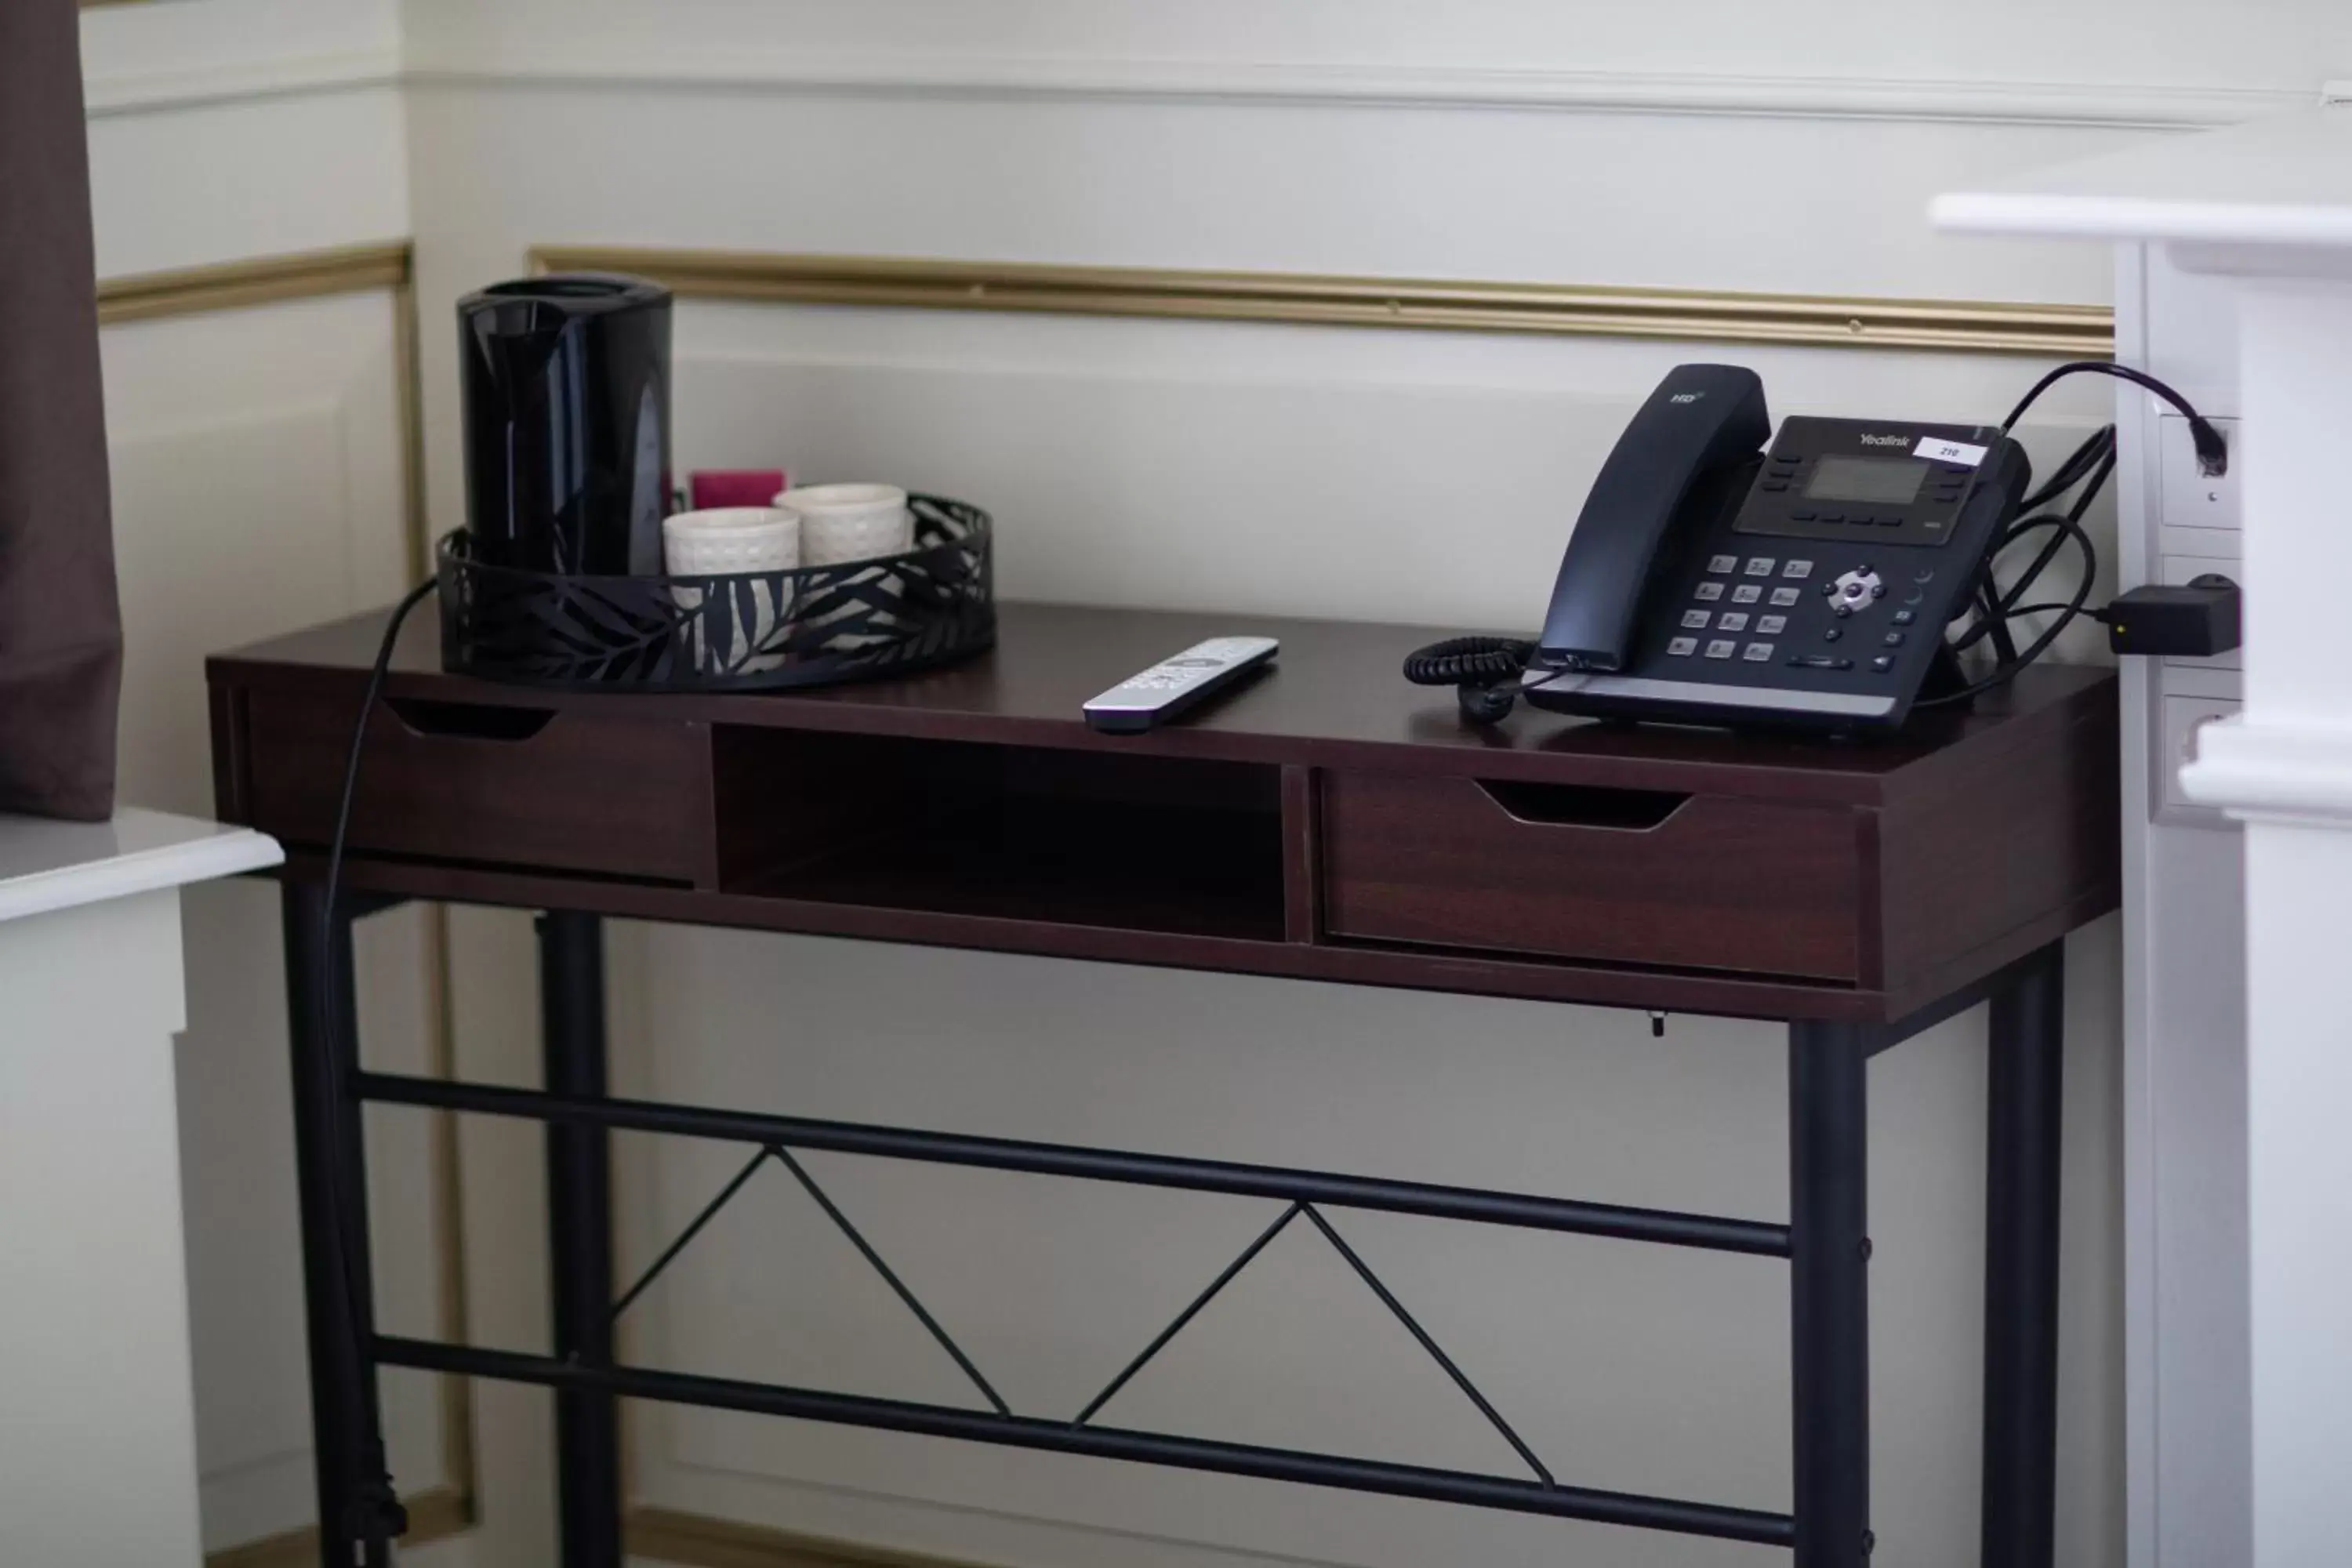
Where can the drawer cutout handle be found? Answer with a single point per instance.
(468, 720)
(1583, 806)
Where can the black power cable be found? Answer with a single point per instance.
(377, 1517)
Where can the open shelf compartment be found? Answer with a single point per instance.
(1064, 837)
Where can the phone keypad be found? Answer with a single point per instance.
(1852, 593)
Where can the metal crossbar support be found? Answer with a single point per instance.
(1191, 1310)
(1520, 1209)
(1108, 1443)
(890, 1276)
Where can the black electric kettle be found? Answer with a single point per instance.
(566, 389)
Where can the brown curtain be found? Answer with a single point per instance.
(60, 630)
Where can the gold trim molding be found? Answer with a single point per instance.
(694, 1540)
(260, 281)
(432, 1515)
(1965, 326)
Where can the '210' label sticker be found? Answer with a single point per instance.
(1936, 449)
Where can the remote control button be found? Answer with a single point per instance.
(1757, 652)
(1720, 649)
(1732, 621)
(1683, 647)
(1723, 562)
(1771, 626)
(1797, 571)
(1819, 661)
(1904, 618)
(1882, 663)
(1747, 593)
(1784, 598)
(1760, 565)
(1696, 620)
(1709, 592)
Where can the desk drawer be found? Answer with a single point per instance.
(1617, 876)
(514, 786)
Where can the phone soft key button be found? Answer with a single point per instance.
(1771, 626)
(1695, 620)
(1723, 562)
(1760, 565)
(1747, 593)
(1682, 647)
(1709, 592)
(1784, 598)
(1720, 649)
(1757, 652)
(1732, 621)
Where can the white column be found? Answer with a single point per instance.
(98, 1460)
(2285, 768)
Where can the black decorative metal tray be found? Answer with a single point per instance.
(811, 627)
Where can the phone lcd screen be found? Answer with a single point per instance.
(1889, 482)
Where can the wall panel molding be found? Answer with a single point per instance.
(2071, 331)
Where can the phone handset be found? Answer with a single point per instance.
(1701, 419)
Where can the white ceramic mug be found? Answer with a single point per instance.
(850, 522)
(729, 540)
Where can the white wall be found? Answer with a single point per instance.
(1205, 464)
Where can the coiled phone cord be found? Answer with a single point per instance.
(377, 1517)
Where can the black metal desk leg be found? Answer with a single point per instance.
(579, 1230)
(321, 1018)
(2026, 1036)
(1829, 1291)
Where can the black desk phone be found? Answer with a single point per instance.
(1711, 580)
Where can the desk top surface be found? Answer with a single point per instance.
(1335, 691)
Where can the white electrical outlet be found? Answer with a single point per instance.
(2191, 499)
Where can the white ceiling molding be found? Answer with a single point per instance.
(578, 64)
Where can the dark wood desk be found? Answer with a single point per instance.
(1327, 822)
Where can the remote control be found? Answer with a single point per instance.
(1174, 684)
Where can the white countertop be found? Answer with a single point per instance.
(47, 865)
(2286, 181)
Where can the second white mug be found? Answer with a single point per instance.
(850, 522)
